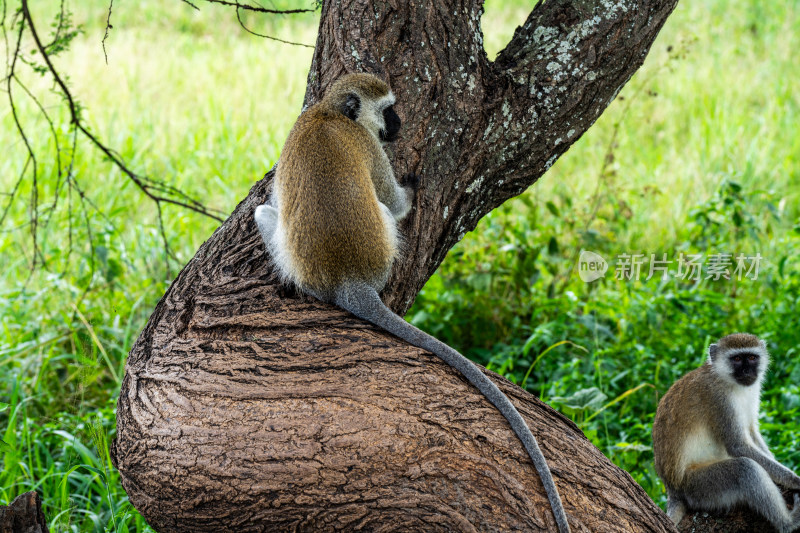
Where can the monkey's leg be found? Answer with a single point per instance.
(363, 301)
(676, 508)
(722, 485)
(267, 220)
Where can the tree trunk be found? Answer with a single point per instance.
(23, 515)
(248, 407)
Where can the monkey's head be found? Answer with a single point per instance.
(368, 100)
(739, 358)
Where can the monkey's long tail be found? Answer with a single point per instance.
(363, 301)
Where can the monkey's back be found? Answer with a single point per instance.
(335, 227)
(682, 437)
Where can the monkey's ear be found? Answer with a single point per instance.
(712, 351)
(351, 106)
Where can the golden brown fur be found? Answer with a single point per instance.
(333, 173)
(682, 410)
(335, 227)
(739, 340)
(369, 87)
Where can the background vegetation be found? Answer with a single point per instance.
(698, 154)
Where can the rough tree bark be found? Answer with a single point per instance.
(246, 407)
(23, 515)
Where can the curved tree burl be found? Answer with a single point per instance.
(248, 407)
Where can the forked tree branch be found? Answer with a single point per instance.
(330, 424)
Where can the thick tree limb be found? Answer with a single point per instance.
(246, 407)
(481, 132)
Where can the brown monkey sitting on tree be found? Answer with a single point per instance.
(331, 226)
(708, 449)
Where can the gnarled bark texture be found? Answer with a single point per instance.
(246, 407)
(23, 515)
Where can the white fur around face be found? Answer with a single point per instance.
(371, 113)
(722, 366)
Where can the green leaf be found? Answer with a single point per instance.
(583, 399)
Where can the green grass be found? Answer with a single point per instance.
(703, 157)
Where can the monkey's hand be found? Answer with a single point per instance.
(410, 180)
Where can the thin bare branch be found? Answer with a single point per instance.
(60, 174)
(191, 4)
(260, 9)
(34, 217)
(151, 188)
(108, 27)
(248, 30)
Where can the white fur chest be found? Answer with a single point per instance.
(700, 447)
(745, 402)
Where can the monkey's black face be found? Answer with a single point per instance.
(391, 125)
(744, 367)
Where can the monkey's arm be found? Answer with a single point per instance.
(755, 434)
(390, 193)
(737, 446)
(779, 473)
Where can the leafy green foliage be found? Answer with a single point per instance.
(626, 341)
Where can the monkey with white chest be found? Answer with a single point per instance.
(708, 449)
(331, 226)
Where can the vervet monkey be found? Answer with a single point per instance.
(331, 226)
(708, 450)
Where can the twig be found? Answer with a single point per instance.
(248, 30)
(259, 9)
(31, 155)
(157, 191)
(108, 27)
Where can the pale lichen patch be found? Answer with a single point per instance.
(475, 184)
